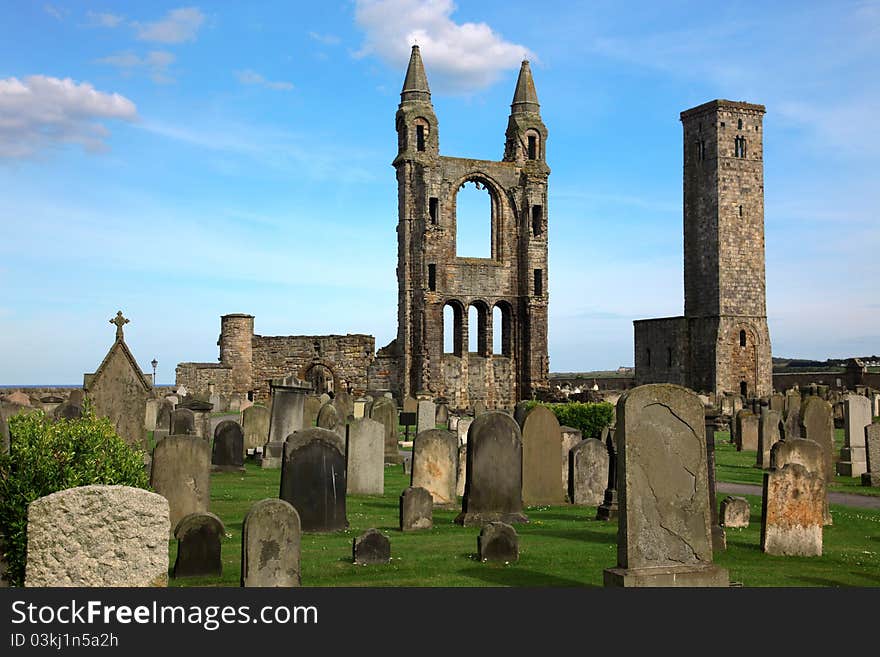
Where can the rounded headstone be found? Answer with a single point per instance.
(435, 465)
(734, 512)
(371, 547)
(498, 541)
(198, 545)
(416, 509)
(313, 479)
(270, 545)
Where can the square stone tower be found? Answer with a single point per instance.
(722, 344)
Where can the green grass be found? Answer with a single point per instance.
(561, 546)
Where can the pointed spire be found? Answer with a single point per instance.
(415, 85)
(525, 98)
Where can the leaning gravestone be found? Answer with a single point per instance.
(589, 472)
(198, 545)
(183, 422)
(856, 416)
(570, 438)
(542, 482)
(181, 473)
(768, 435)
(416, 509)
(328, 417)
(365, 454)
(735, 512)
(804, 452)
(498, 541)
(313, 479)
(270, 545)
(426, 416)
(791, 521)
(255, 424)
(227, 454)
(435, 465)
(872, 443)
(746, 431)
(664, 536)
(98, 536)
(371, 547)
(817, 424)
(385, 411)
(493, 491)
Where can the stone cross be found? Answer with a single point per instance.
(120, 321)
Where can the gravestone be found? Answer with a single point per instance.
(777, 403)
(817, 424)
(493, 491)
(520, 411)
(416, 509)
(792, 414)
(311, 405)
(365, 450)
(371, 547)
(410, 405)
(360, 405)
(426, 416)
(328, 417)
(286, 416)
(498, 541)
(183, 422)
(198, 545)
(442, 416)
(664, 536)
(67, 411)
(856, 416)
(588, 462)
(807, 453)
(435, 465)
(181, 473)
(746, 431)
(542, 483)
(270, 545)
(791, 519)
(152, 411)
(570, 438)
(255, 424)
(344, 406)
(452, 423)
(872, 449)
(479, 408)
(385, 412)
(163, 419)
(98, 536)
(313, 479)
(227, 454)
(325, 398)
(407, 463)
(875, 404)
(20, 399)
(463, 427)
(735, 512)
(609, 509)
(768, 435)
(461, 478)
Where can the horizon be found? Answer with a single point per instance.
(180, 163)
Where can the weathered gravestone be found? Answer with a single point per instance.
(520, 411)
(856, 416)
(270, 545)
(541, 445)
(198, 545)
(442, 416)
(286, 417)
(328, 417)
(410, 405)
(311, 405)
(452, 423)
(181, 473)
(385, 411)
(183, 422)
(435, 465)
(664, 536)
(462, 428)
(313, 479)
(344, 406)
(735, 512)
(325, 398)
(571, 437)
(493, 491)
(365, 453)
(498, 541)
(817, 424)
(371, 547)
(164, 408)
(609, 509)
(746, 431)
(588, 462)
(804, 452)
(98, 536)
(792, 414)
(872, 449)
(407, 463)
(791, 519)
(416, 509)
(152, 413)
(777, 403)
(360, 405)
(426, 416)
(67, 411)
(769, 428)
(461, 478)
(255, 424)
(227, 454)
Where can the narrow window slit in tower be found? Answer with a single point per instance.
(432, 277)
(533, 147)
(432, 209)
(420, 137)
(537, 219)
(539, 283)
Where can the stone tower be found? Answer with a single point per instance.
(432, 276)
(722, 344)
(236, 349)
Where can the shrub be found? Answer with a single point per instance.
(46, 457)
(590, 418)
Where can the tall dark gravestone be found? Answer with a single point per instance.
(313, 479)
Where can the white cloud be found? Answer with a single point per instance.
(326, 39)
(178, 26)
(156, 64)
(102, 19)
(248, 76)
(39, 112)
(458, 57)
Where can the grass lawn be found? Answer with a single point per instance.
(561, 546)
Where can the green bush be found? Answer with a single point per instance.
(46, 457)
(590, 418)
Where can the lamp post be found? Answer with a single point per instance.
(154, 362)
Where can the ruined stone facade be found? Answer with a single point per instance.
(431, 275)
(249, 361)
(722, 344)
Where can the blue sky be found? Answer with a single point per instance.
(180, 162)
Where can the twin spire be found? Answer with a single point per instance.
(415, 86)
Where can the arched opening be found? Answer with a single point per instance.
(478, 329)
(502, 329)
(321, 378)
(742, 338)
(423, 130)
(473, 320)
(452, 328)
(744, 388)
(533, 145)
(473, 221)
